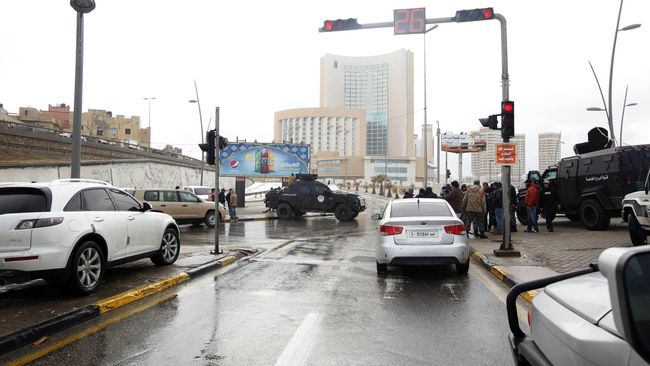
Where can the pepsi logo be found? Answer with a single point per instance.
(234, 164)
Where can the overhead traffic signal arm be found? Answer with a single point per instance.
(472, 15)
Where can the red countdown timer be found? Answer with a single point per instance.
(408, 21)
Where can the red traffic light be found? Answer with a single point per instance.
(340, 25)
(472, 15)
(488, 13)
(508, 107)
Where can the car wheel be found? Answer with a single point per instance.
(382, 268)
(637, 234)
(86, 268)
(343, 212)
(284, 211)
(355, 214)
(593, 215)
(462, 268)
(170, 247)
(210, 220)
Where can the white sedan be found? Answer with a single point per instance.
(420, 231)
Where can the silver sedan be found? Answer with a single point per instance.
(421, 231)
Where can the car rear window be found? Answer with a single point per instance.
(415, 209)
(19, 200)
(201, 191)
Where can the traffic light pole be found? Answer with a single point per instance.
(217, 166)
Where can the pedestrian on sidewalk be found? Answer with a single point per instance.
(532, 202)
(513, 207)
(487, 191)
(232, 205)
(474, 205)
(222, 196)
(455, 199)
(409, 193)
(549, 202)
(497, 204)
(422, 193)
(211, 196)
(428, 193)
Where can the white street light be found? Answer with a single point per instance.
(149, 99)
(198, 102)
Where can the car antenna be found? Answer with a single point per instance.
(418, 203)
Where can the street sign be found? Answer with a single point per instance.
(409, 21)
(506, 154)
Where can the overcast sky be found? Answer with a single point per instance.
(253, 58)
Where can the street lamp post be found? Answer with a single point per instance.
(198, 102)
(439, 152)
(426, 131)
(81, 7)
(620, 133)
(149, 99)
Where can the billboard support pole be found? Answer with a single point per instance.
(217, 166)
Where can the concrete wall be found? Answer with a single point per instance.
(132, 174)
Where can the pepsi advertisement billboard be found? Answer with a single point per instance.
(264, 160)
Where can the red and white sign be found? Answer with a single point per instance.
(506, 154)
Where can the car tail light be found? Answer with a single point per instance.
(455, 229)
(530, 315)
(35, 223)
(388, 230)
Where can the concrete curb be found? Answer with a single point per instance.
(500, 273)
(34, 332)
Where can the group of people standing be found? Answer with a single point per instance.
(423, 193)
(546, 198)
(230, 198)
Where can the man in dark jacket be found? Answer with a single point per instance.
(409, 193)
(428, 193)
(549, 201)
(422, 193)
(497, 206)
(513, 206)
(222, 196)
(455, 199)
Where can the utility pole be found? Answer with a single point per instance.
(439, 152)
(217, 166)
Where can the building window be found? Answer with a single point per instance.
(100, 131)
(127, 131)
(336, 64)
(113, 131)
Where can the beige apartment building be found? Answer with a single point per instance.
(549, 145)
(102, 124)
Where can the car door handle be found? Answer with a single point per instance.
(184, 206)
(98, 219)
(130, 218)
(163, 205)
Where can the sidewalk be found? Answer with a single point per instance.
(570, 247)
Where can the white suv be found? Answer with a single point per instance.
(636, 212)
(72, 230)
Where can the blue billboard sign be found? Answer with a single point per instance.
(264, 160)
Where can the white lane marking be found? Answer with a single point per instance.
(394, 286)
(300, 345)
(499, 292)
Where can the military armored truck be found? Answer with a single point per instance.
(305, 194)
(591, 186)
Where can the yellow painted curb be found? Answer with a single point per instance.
(479, 256)
(228, 260)
(128, 297)
(499, 272)
(529, 295)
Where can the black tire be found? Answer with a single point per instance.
(344, 212)
(170, 248)
(522, 213)
(573, 217)
(355, 214)
(298, 213)
(209, 219)
(382, 268)
(593, 215)
(284, 211)
(86, 268)
(637, 234)
(462, 268)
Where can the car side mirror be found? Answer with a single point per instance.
(376, 216)
(146, 206)
(628, 275)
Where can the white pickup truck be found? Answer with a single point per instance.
(636, 212)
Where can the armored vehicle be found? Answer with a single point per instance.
(305, 194)
(591, 186)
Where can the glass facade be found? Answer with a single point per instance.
(366, 87)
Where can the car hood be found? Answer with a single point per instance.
(587, 296)
(636, 195)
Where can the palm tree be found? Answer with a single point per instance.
(389, 188)
(356, 185)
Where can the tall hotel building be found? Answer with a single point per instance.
(483, 165)
(549, 149)
(364, 125)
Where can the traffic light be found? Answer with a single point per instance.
(490, 122)
(340, 25)
(474, 15)
(507, 119)
(209, 146)
(448, 173)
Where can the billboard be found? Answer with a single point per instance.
(462, 143)
(264, 160)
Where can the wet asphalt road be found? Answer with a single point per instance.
(315, 301)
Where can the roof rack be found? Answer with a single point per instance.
(80, 180)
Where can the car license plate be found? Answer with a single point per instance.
(423, 234)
